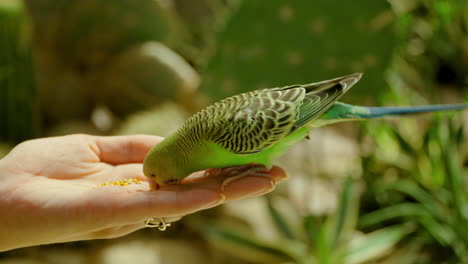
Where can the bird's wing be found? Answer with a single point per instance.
(251, 122)
(322, 95)
(260, 119)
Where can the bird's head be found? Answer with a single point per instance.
(161, 169)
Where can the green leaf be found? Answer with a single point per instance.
(410, 211)
(458, 198)
(440, 232)
(425, 198)
(407, 253)
(279, 221)
(323, 246)
(347, 212)
(403, 143)
(453, 171)
(457, 133)
(311, 226)
(375, 244)
(246, 246)
(342, 211)
(407, 210)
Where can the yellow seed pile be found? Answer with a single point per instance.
(121, 183)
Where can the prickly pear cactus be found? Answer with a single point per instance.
(162, 120)
(203, 18)
(145, 75)
(19, 111)
(274, 43)
(98, 52)
(89, 32)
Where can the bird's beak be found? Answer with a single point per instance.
(154, 186)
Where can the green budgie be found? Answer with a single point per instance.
(250, 130)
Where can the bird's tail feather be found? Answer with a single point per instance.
(346, 112)
(376, 112)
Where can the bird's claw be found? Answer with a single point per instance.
(239, 172)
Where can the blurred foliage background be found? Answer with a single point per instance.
(384, 191)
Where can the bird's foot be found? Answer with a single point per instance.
(239, 172)
(212, 172)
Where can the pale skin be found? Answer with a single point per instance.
(49, 190)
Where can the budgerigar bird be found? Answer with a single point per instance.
(256, 127)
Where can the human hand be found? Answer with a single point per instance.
(48, 190)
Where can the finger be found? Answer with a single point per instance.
(105, 233)
(124, 149)
(167, 202)
(254, 185)
(188, 198)
(115, 232)
(114, 205)
(118, 231)
(276, 172)
(111, 232)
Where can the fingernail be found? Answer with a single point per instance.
(267, 189)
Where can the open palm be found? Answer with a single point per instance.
(50, 190)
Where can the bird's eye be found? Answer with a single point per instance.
(169, 181)
(153, 174)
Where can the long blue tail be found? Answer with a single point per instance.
(376, 112)
(345, 112)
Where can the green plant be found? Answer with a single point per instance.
(19, 105)
(417, 176)
(315, 239)
(432, 48)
